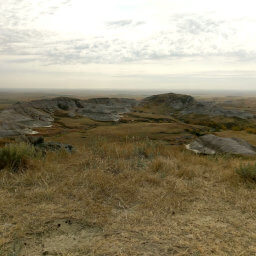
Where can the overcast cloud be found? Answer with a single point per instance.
(125, 44)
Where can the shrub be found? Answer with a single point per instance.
(251, 130)
(236, 128)
(145, 149)
(16, 156)
(247, 172)
(63, 106)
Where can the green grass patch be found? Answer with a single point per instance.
(247, 172)
(17, 156)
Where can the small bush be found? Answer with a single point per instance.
(251, 130)
(63, 106)
(247, 172)
(236, 128)
(16, 156)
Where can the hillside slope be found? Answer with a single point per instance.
(185, 104)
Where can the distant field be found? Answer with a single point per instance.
(3, 106)
(14, 96)
(246, 100)
(242, 103)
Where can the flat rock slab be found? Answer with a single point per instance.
(210, 144)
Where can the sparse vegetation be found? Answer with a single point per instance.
(126, 192)
(247, 171)
(220, 123)
(251, 130)
(16, 156)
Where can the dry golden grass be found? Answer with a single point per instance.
(128, 197)
(126, 191)
(3, 106)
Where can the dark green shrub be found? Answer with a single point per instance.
(16, 156)
(63, 106)
(247, 172)
(251, 130)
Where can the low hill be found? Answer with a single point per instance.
(181, 104)
(188, 110)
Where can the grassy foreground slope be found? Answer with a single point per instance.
(131, 188)
(127, 191)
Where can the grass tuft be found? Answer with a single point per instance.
(16, 156)
(247, 172)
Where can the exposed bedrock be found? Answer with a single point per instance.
(22, 117)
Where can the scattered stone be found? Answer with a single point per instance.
(56, 146)
(211, 144)
(38, 142)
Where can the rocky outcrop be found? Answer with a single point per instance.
(211, 145)
(106, 109)
(22, 117)
(39, 143)
(55, 146)
(185, 105)
(170, 100)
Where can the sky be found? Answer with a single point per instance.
(128, 44)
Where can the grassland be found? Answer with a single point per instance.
(130, 188)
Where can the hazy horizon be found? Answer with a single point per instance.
(122, 92)
(162, 45)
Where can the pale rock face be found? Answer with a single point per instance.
(198, 148)
(21, 118)
(211, 144)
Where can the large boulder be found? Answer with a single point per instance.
(210, 144)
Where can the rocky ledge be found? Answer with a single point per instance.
(22, 117)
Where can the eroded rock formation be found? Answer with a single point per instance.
(21, 118)
(210, 144)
